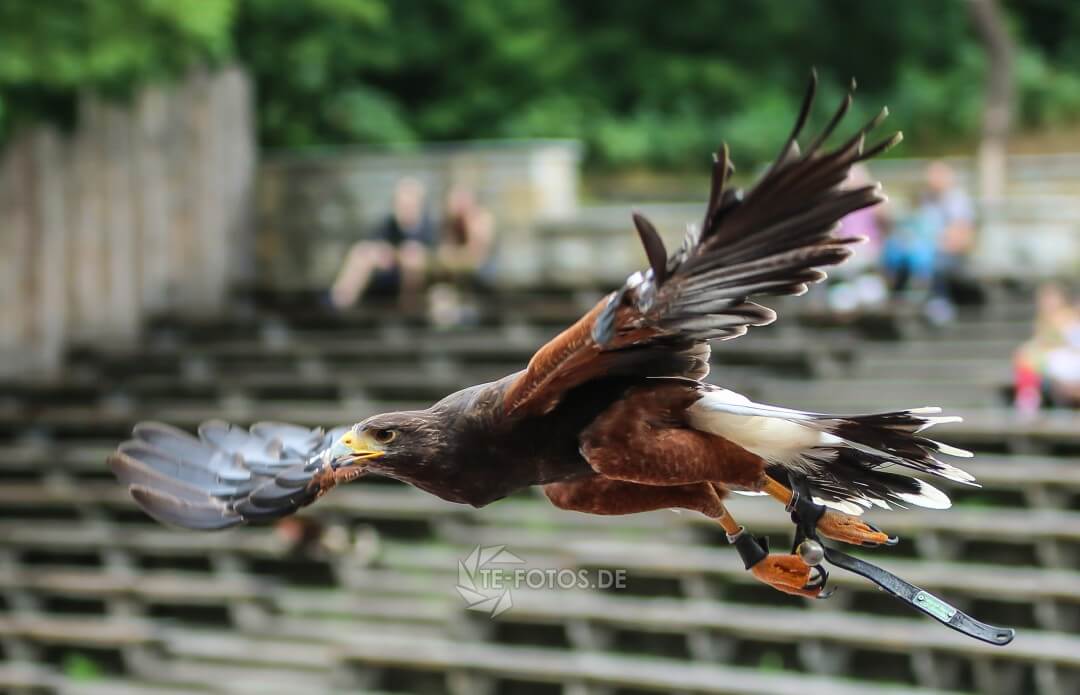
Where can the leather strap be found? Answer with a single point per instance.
(751, 549)
(805, 513)
(923, 600)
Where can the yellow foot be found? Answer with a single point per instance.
(788, 573)
(835, 525)
(851, 529)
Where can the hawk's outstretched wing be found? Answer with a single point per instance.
(773, 240)
(227, 475)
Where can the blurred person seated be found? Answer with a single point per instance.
(396, 258)
(1047, 366)
(857, 283)
(909, 253)
(463, 258)
(467, 239)
(926, 253)
(953, 214)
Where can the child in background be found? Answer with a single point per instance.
(1049, 362)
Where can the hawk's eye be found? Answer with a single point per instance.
(384, 436)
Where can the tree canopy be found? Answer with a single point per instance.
(642, 82)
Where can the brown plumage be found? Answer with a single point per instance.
(611, 416)
(643, 437)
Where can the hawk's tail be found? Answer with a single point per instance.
(852, 466)
(851, 462)
(226, 476)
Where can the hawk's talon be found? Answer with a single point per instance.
(889, 540)
(849, 529)
(826, 593)
(789, 574)
(818, 577)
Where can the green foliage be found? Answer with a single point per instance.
(311, 61)
(771, 661)
(1051, 93)
(80, 667)
(50, 51)
(641, 81)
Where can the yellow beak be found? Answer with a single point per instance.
(353, 447)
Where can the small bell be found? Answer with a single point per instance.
(811, 552)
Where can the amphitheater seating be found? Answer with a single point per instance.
(96, 598)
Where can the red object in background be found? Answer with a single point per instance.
(1028, 382)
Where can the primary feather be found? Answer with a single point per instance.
(773, 240)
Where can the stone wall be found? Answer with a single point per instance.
(312, 205)
(144, 209)
(1034, 231)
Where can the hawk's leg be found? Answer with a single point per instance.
(832, 524)
(600, 495)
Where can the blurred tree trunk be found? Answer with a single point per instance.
(998, 103)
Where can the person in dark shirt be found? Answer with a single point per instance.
(398, 251)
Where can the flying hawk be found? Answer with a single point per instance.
(613, 416)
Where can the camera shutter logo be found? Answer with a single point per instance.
(479, 580)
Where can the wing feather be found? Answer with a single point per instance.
(774, 240)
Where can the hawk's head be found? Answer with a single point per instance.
(398, 445)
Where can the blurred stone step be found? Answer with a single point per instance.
(534, 665)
